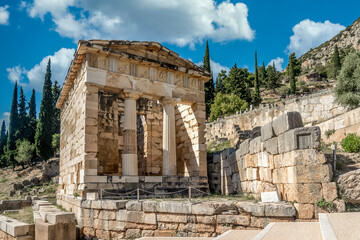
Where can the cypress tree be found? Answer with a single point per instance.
(209, 86)
(263, 74)
(13, 124)
(22, 117)
(44, 130)
(56, 93)
(2, 137)
(257, 98)
(293, 70)
(32, 118)
(336, 61)
(274, 66)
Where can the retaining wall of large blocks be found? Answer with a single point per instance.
(286, 157)
(114, 219)
(314, 109)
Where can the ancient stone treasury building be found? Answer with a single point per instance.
(132, 116)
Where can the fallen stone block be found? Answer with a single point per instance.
(329, 191)
(304, 211)
(286, 122)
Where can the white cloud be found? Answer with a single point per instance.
(309, 34)
(5, 117)
(4, 15)
(60, 62)
(278, 63)
(181, 22)
(215, 68)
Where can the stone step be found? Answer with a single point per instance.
(340, 226)
(238, 234)
(290, 231)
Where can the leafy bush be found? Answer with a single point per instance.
(329, 132)
(348, 81)
(24, 151)
(284, 90)
(351, 143)
(56, 142)
(328, 206)
(226, 104)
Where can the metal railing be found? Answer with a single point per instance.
(136, 193)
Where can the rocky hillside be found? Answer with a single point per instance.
(346, 40)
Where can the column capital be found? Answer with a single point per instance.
(170, 101)
(131, 94)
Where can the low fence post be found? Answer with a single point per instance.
(189, 194)
(138, 194)
(334, 155)
(101, 194)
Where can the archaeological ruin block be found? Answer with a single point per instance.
(132, 116)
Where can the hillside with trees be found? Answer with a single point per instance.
(30, 138)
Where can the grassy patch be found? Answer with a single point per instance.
(216, 147)
(328, 206)
(4, 180)
(24, 215)
(328, 133)
(52, 200)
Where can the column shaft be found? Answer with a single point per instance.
(130, 159)
(169, 141)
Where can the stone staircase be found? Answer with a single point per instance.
(331, 226)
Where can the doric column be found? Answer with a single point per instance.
(130, 159)
(169, 138)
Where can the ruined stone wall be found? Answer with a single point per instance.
(72, 132)
(286, 158)
(11, 229)
(132, 219)
(191, 147)
(341, 126)
(314, 109)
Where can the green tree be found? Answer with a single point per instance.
(55, 143)
(44, 130)
(256, 98)
(273, 78)
(336, 61)
(209, 86)
(347, 89)
(23, 120)
(236, 83)
(24, 152)
(262, 74)
(3, 139)
(220, 81)
(56, 93)
(293, 70)
(13, 123)
(226, 104)
(32, 117)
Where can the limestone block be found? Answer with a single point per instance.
(177, 218)
(136, 217)
(107, 215)
(271, 146)
(206, 219)
(265, 174)
(304, 211)
(263, 159)
(313, 173)
(244, 147)
(113, 204)
(174, 207)
(286, 142)
(203, 209)
(134, 206)
(133, 233)
(149, 206)
(267, 132)
(255, 145)
(329, 191)
(243, 220)
(302, 193)
(300, 138)
(60, 217)
(92, 196)
(286, 122)
(16, 228)
(279, 210)
(255, 209)
(252, 174)
(301, 157)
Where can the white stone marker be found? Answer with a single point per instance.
(269, 197)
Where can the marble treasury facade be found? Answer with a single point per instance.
(132, 116)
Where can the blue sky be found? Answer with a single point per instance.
(32, 31)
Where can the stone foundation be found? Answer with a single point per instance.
(131, 219)
(285, 158)
(11, 229)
